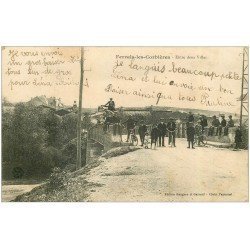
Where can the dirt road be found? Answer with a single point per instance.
(10, 192)
(173, 174)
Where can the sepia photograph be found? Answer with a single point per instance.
(125, 124)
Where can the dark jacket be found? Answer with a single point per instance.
(204, 122)
(130, 123)
(190, 133)
(230, 123)
(162, 128)
(191, 118)
(171, 126)
(154, 133)
(142, 130)
(110, 105)
(223, 123)
(215, 123)
(238, 135)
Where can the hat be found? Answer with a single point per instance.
(230, 116)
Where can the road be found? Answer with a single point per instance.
(172, 174)
(10, 192)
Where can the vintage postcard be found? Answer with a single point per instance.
(133, 124)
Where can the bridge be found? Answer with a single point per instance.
(115, 136)
(110, 138)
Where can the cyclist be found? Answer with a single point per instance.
(198, 133)
(171, 127)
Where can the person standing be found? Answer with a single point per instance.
(130, 124)
(215, 125)
(199, 133)
(142, 131)
(190, 135)
(154, 136)
(190, 117)
(203, 122)
(230, 124)
(74, 108)
(238, 137)
(162, 132)
(222, 125)
(171, 126)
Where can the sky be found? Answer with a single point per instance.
(132, 76)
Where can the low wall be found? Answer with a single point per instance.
(109, 136)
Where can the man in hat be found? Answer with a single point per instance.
(203, 122)
(142, 131)
(162, 132)
(199, 133)
(222, 125)
(74, 108)
(230, 124)
(171, 126)
(130, 124)
(110, 104)
(154, 136)
(190, 117)
(190, 134)
(214, 126)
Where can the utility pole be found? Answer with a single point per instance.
(79, 118)
(244, 86)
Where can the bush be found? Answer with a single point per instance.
(37, 140)
(57, 180)
(33, 139)
(70, 151)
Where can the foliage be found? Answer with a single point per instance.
(5, 102)
(34, 138)
(57, 179)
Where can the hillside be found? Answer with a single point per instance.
(72, 186)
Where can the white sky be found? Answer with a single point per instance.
(101, 61)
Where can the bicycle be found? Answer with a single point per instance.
(171, 135)
(146, 141)
(133, 138)
(200, 139)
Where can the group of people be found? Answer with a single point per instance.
(157, 133)
(160, 131)
(194, 129)
(217, 126)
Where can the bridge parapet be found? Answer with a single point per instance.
(109, 136)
